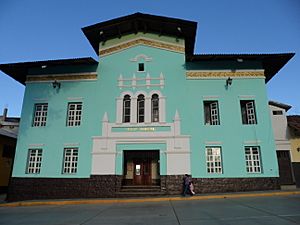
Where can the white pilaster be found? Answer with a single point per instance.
(162, 109)
(133, 110)
(119, 110)
(148, 109)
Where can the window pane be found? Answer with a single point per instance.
(74, 114)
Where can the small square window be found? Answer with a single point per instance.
(141, 67)
(277, 112)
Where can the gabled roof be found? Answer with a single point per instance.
(294, 123)
(280, 105)
(19, 71)
(271, 63)
(144, 23)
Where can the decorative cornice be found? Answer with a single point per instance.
(59, 77)
(224, 74)
(142, 41)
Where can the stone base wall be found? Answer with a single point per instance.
(174, 184)
(104, 186)
(108, 186)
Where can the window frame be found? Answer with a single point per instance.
(211, 115)
(40, 116)
(34, 161)
(72, 120)
(125, 117)
(155, 108)
(214, 166)
(141, 108)
(255, 165)
(70, 166)
(141, 67)
(248, 112)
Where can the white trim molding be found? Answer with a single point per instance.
(105, 146)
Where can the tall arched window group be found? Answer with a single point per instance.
(141, 108)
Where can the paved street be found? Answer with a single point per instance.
(259, 210)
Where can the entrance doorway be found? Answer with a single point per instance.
(142, 172)
(141, 167)
(285, 169)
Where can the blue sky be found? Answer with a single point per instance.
(40, 30)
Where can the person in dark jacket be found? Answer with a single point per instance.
(186, 184)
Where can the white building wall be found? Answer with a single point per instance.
(280, 129)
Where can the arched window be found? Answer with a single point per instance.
(141, 109)
(126, 109)
(155, 108)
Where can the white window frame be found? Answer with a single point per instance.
(124, 109)
(154, 116)
(70, 163)
(139, 106)
(214, 160)
(213, 113)
(253, 161)
(34, 161)
(74, 115)
(40, 115)
(133, 107)
(249, 107)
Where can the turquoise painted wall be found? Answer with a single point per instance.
(183, 95)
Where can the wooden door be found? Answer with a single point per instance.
(285, 170)
(142, 172)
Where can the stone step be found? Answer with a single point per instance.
(140, 190)
(140, 187)
(139, 194)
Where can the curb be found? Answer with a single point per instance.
(140, 200)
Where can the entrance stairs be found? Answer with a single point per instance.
(140, 191)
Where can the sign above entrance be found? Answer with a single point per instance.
(141, 129)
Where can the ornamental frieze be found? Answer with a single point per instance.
(142, 41)
(216, 74)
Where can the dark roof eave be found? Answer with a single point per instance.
(271, 63)
(19, 71)
(280, 105)
(145, 23)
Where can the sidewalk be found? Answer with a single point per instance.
(148, 199)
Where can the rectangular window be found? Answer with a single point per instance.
(126, 110)
(211, 113)
(70, 160)
(252, 159)
(40, 115)
(34, 161)
(248, 112)
(213, 160)
(277, 112)
(74, 114)
(141, 110)
(141, 67)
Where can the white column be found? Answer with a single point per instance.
(133, 110)
(119, 110)
(162, 109)
(148, 109)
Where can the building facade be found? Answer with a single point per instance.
(294, 137)
(282, 141)
(9, 127)
(145, 113)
